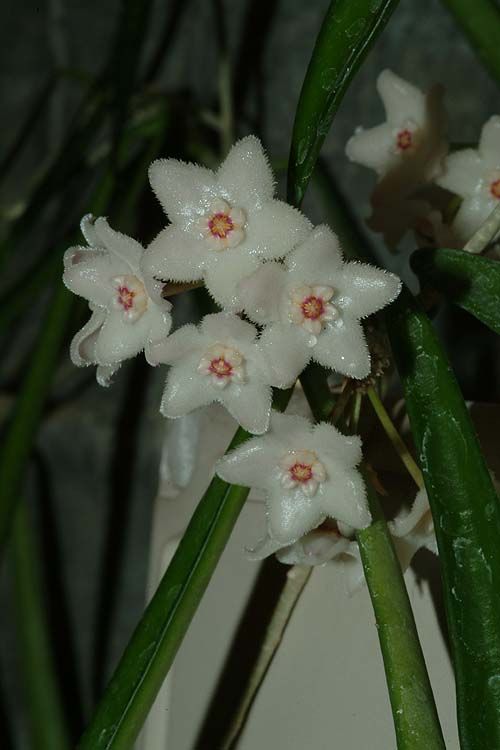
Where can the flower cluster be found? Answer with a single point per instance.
(260, 258)
(443, 196)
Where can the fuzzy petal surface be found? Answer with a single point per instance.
(185, 191)
(343, 348)
(245, 177)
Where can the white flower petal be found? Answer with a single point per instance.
(291, 514)
(343, 348)
(160, 323)
(87, 228)
(175, 255)
(316, 548)
(402, 100)
(260, 293)
(287, 352)
(226, 326)
(372, 148)
(185, 389)
(341, 449)
(185, 191)
(489, 143)
(82, 349)
(250, 405)
(274, 230)
(344, 498)
(245, 176)
(104, 374)
(125, 248)
(364, 289)
(182, 342)
(119, 340)
(223, 274)
(463, 172)
(89, 274)
(251, 463)
(317, 259)
(472, 213)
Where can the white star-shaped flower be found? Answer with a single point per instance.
(333, 543)
(311, 306)
(223, 224)
(126, 316)
(219, 361)
(406, 151)
(474, 175)
(412, 137)
(307, 473)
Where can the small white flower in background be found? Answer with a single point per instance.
(406, 151)
(126, 317)
(412, 138)
(307, 473)
(474, 175)
(220, 361)
(311, 306)
(411, 530)
(223, 224)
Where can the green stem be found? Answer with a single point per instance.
(395, 437)
(413, 708)
(48, 729)
(480, 22)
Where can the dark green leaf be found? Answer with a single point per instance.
(466, 515)
(348, 31)
(480, 21)
(471, 281)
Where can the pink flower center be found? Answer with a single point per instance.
(220, 367)
(404, 139)
(126, 297)
(312, 307)
(301, 472)
(220, 225)
(495, 189)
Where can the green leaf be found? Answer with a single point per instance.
(415, 716)
(149, 654)
(45, 711)
(466, 513)
(470, 281)
(349, 29)
(480, 22)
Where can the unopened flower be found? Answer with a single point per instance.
(220, 361)
(223, 224)
(474, 175)
(311, 306)
(126, 317)
(412, 137)
(307, 473)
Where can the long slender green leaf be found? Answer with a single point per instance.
(46, 716)
(415, 716)
(466, 513)
(480, 22)
(149, 654)
(348, 31)
(471, 281)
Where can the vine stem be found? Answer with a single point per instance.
(395, 437)
(296, 579)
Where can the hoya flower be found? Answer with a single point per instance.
(311, 306)
(128, 314)
(406, 151)
(223, 224)
(411, 530)
(307, 473)
(412, 137)
(474, 175)
(220, 361)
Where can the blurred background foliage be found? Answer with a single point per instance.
(92, 93)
